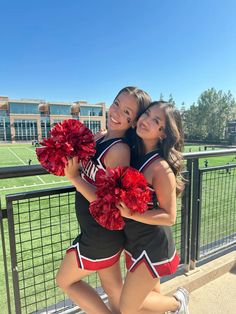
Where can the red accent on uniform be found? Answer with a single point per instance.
(87, 179)
(164, 269)
(98, 264)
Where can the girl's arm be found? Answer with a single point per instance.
(73, 175)
(119, 154)
(164, 184)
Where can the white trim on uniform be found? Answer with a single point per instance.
(136, 261)
(147, 161)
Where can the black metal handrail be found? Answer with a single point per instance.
(212, 153)
(25, 171)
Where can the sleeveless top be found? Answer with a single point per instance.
(94, 239)
(154, 241)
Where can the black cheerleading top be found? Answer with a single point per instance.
(149, 244)
(96, 241)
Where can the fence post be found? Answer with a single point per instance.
(3, 214)
(13, 256)
(186, 218)
(195, 213)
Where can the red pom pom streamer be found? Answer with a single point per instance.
(124, 184)
(69, 138)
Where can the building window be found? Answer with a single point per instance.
(60, 110)
(25, 130)
(5, 129)
(232, 129)
(94, 126)
(90, 111)
(21, 108)
(45, 127)
(3, 113)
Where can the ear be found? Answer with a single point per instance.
(134, 124)
(163, 134)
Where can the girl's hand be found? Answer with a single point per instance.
(124, 210)
(72, 169)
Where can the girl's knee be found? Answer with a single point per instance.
(60, 281)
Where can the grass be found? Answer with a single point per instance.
(43, 235)
(212, 161)
(19, 155)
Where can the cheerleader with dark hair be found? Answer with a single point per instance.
(97, 248)
(149, 246)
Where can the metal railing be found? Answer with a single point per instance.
(38, 226)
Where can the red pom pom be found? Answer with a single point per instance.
(119, 184)
(69, 138)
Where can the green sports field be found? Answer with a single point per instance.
(19, 154)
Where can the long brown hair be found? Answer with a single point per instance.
(171, 147)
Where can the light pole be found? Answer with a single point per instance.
(4, 129)
(89, 119)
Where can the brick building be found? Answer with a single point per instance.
(31, 119)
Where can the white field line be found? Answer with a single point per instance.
(37, 176)
(16, 155)
(28, 186)
(40, 179)
(29, 149)
(32, 151)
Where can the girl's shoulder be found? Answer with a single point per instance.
(161, 170)
(118, 154)
(119, 147)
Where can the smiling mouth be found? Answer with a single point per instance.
(114, 120)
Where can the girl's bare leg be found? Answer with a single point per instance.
(138, 296)
(69, 279)
(111, 281)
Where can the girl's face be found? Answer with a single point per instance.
(123, 112)
(151, 124)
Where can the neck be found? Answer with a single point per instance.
(149, 147)
(114, 134)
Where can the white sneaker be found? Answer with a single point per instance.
(182, 295)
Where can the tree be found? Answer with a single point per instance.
(215, 108)
(208, 118)
(171, 100)
(161, 96)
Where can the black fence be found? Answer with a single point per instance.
(38, 226)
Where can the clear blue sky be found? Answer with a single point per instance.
(88, 50)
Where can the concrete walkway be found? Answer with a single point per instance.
(216, 297)
(212, 286)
